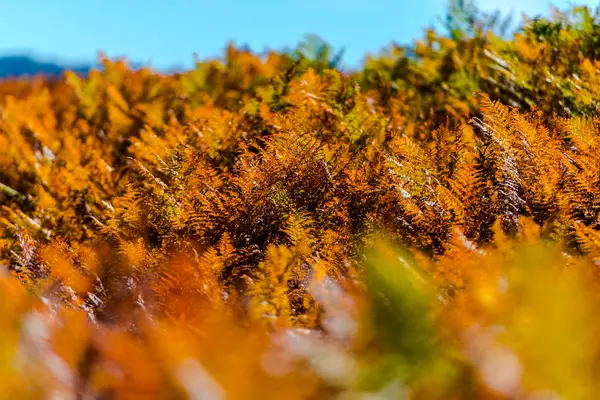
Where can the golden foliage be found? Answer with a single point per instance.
(234, 230)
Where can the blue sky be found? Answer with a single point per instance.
(166, 33)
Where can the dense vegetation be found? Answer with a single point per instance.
(269, 227)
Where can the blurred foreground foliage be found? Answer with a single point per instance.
(269, 227)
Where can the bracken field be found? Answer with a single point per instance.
(274, 227)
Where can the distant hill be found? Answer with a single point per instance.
(23, 65)
(26, 65)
